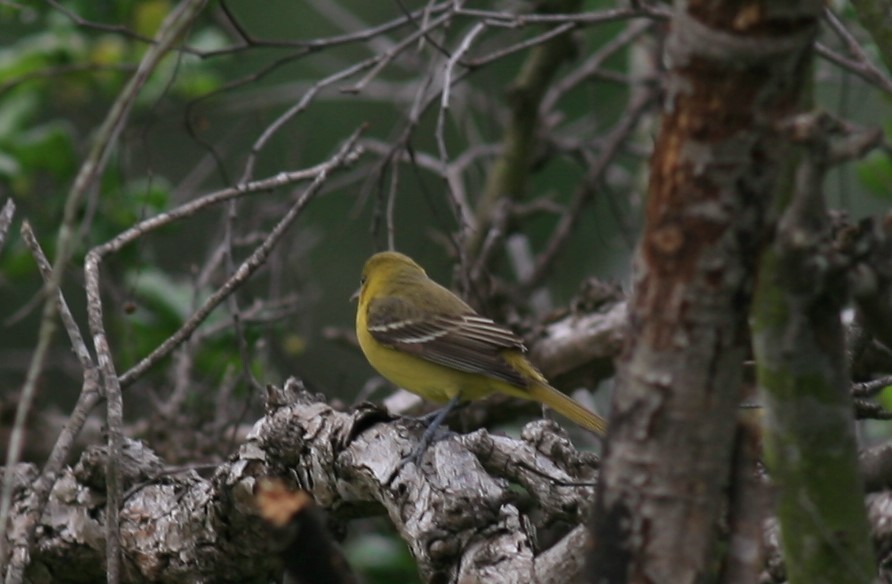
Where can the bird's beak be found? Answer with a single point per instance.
(355, 296)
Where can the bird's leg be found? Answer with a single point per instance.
(433, 421)
(437, 416)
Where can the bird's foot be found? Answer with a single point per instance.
(433, 422)
(432, 434)
(437, 416)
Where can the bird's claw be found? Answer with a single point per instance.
(431, 435)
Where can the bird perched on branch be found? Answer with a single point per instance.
(424, 338)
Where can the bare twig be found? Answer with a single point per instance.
(46, 271)
(508, 19)
(421, 26)
(876, 18)
(313, 45)
(50, 72)
(115, 28)
(459, 201)
(390, 223)
(6, 219)
(521, 46)
(455, 58)
(508, 176)
(89, 397)
(870, 388)
(301, 105)
(382, 60)
(862, 65)
(591, 65)
(588, 187)
(338, 15)
(232, 300)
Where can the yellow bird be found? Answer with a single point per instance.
(424, 338)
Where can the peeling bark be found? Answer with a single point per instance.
(461, 512)
(737, 68)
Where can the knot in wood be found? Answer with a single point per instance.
(667, 240)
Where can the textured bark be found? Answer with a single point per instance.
(879, 513)
(178, 528)
(736, 72)
(460, 513)
(463, 524)
(799, 342)
(582, 344)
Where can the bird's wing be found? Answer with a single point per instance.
(467, 342)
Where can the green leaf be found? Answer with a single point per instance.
(148, 16)
(885, 397)
(15, 113)
(875, 173)
(150, 195)
(382, 558)
(167, 302)
(49, 147)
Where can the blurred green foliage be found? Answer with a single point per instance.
(875, 173)
(381, 557)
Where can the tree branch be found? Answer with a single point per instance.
(462, 524)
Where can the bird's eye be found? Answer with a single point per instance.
(362, 281)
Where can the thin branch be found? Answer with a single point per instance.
(46, 271)
(6, 219)
(463, 48)
(588, 186)
(390, 223)
(459, 202)
(862, 66)
(314, 45)
(508, 176)
(73, 68)
(876, 18)
(382, 60)
(304, 102)
(508, 19)
(114, 28)
(521, 46)
(339, 16)
(423, 26)
(870, 388)
(89, 397)
(232, 300)
(593, 64)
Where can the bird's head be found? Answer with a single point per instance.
(387, 267)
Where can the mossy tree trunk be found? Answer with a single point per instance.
(737, 69)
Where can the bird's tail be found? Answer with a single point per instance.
(567, 406)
